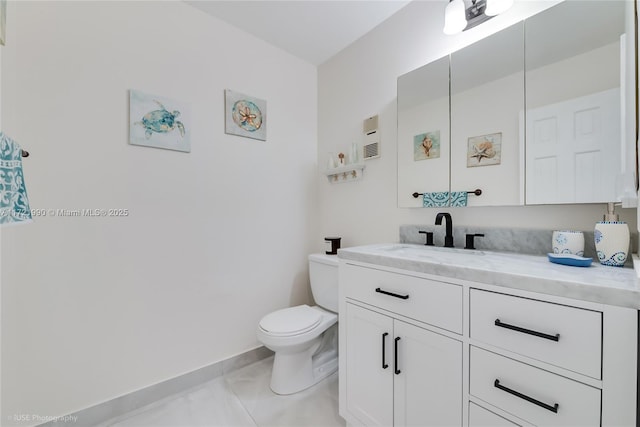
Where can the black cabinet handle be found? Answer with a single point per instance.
(384, 338)
(397, 371)
(555, 337)
(553, 408)
(380, 291)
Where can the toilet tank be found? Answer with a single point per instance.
(323, 274)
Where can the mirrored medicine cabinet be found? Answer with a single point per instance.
(533, 114)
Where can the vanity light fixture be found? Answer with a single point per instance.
(496, 7)
(455, 20)
(458, 17)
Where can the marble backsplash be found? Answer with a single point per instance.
(518, 240)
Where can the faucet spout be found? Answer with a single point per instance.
(448, 238)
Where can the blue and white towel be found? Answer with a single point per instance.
(458, 199)
(444, 199)
(14, 204)
(439, 199)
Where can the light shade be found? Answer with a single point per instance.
(496, 7)
(454, 17)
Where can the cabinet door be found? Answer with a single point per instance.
(369, 385)
(428, 388)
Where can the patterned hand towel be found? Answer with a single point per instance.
(444, 199)
(458, 199)
(14, 204)
(435, 200)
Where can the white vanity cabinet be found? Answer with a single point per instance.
(399, 370)
(426, 349)
(550, 363)
(566, 337)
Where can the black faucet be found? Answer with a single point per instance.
(470, 243)
(429, 236)
(448, 238)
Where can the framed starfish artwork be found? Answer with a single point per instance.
(245, 115)
(484, 150)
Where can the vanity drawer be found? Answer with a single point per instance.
(530, 393)
(428, 301)
(529, 327)
(480, 417)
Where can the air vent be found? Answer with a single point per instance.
(370, 125)
(371, 151)
(371, 144)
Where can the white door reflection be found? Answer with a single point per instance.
(572, 149)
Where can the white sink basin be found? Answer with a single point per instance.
(435, 254)
(422, 251)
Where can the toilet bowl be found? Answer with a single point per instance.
(303, 338)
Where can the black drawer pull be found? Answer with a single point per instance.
(384, 338)
(396, 370)
(553, 408)
(380, 291)
(555, 337)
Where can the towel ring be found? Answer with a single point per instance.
(24, 153)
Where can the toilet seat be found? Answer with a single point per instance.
(291, 321)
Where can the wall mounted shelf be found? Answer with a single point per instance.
(346, 173)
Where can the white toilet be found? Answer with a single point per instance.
(305, 339)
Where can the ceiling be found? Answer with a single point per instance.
(313, 30)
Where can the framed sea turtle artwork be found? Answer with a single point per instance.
(245, 115)
(484, 150)
(159, 122)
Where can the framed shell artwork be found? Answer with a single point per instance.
(426, 146)
(245, 116)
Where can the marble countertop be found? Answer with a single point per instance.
(597, 283)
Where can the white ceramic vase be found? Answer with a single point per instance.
(612, 242)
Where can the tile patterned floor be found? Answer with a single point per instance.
(241, 398)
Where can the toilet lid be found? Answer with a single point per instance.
(291, 321)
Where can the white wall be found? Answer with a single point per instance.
(93, 308)
(361, 82)
(558, 81)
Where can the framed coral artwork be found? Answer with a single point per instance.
(484, 150)
(245, 115)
